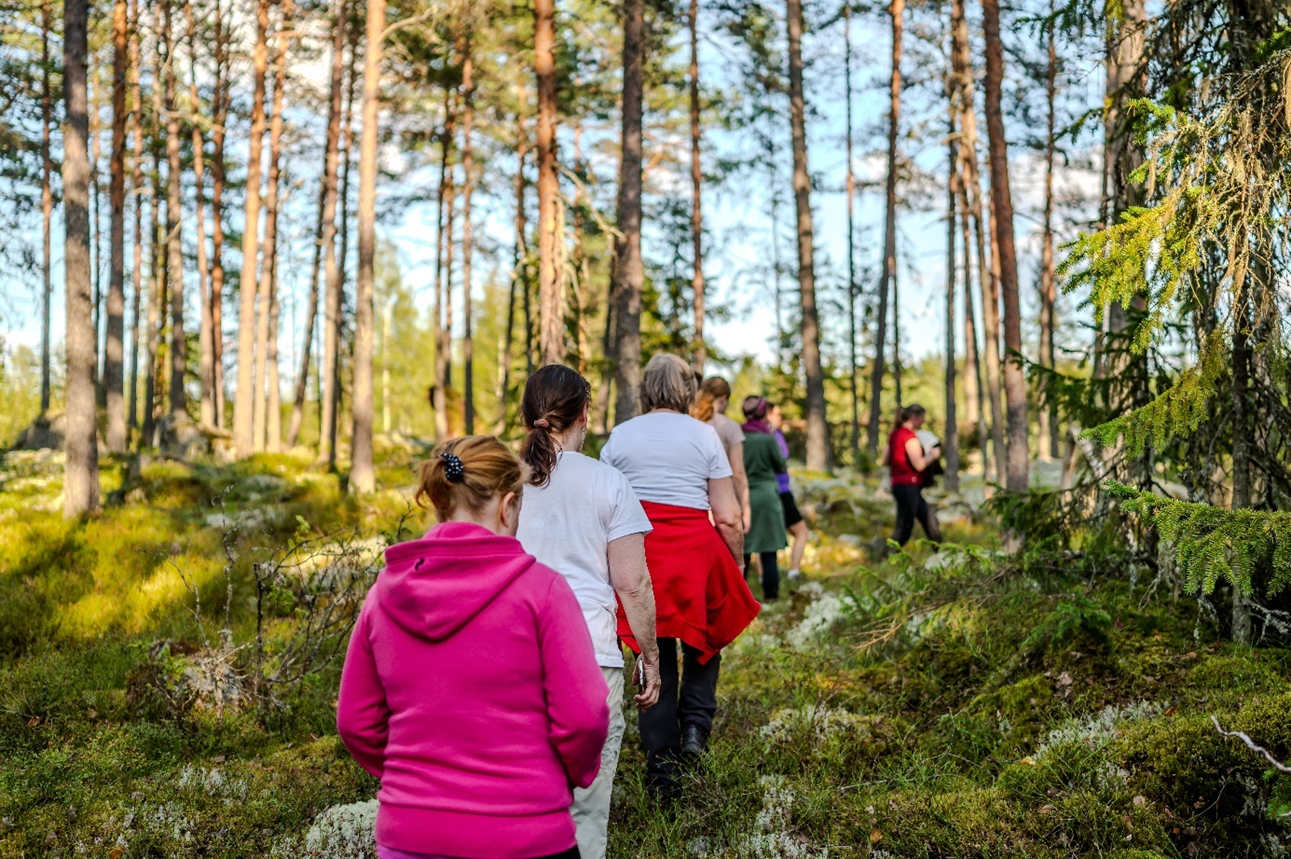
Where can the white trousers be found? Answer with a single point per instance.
(591, 808)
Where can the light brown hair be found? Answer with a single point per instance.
(667, 383)
(712, 390)
(489, 469)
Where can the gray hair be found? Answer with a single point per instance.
(667, 383)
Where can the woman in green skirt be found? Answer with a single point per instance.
(762, 462)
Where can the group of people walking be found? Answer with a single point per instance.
(484, 681)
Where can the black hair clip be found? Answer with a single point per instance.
(453, 468)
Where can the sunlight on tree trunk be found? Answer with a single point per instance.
(468, 181)
(46, 207)
(174, 221)
(853, 382)
(219, 112)
(550, 304)
(331, 271)
(114, 350)
(696, 181)
(137, 184)
(1048, 417)
(629, 266)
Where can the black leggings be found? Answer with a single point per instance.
(911, 506)
(685, 699)
(770, 574)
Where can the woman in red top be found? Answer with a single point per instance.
(906, 461)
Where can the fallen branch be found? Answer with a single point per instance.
(1250, 744)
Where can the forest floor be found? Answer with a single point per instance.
(962, 703)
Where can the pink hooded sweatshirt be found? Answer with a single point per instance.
(472, 692)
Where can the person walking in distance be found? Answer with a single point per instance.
(678, 469)
(793, 518)
(907, 461)
(470, 688)
(710, 406)
(763, 462)
(582, 519)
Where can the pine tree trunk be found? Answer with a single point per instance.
(307, 342)
(520, 264)
(629, 267)
(81, 471)
(853, 356)
(550, 300)
(205, 337)
(1048, 424)
(330, 371)
(696, 180)
(950, 438)
(817, 424)
(156, 300)
(219, 115)
(1015, 387)
(1242, 447)
(443, 337)
(136, 272)
(450, 201)
(887, 282)
(244, 407)
(972, 363)
(46, 208)
(346, 349)
(468, 182)
(268, 269)
(987, 285)
(114, 350)
(362, 476)
(174, 221)
(273, 398)
(96, 231)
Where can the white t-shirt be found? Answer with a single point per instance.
(568, 525)
(668, 458)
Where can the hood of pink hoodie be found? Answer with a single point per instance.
(434, 586)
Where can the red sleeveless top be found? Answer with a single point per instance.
(903, 473)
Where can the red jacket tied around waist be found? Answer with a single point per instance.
(700, 595)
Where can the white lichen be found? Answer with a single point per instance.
(344, 832)
(1098, 730)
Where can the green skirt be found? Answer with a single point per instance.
(768, 531)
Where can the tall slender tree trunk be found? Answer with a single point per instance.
(219, 110)
(273, 397)
(629, 266)
(1015, 387)
(468, 183)
(950, 438)
(450, 202)
(443, 337)
(817, 423)
(46, 208)
(96, 230)
(343, 227)
(853, 356)
(520, 268)
(156, 301)
(887, 282)
(114, 349)
(81, 471)
(963, 69)
(362, 476)
(244, 407)
(550, 300)
(205, 336)
(174, 238)
(268, 270)
(330, 371)
(1049, 435)
(1242, 446)
(696, 181)
(972, 363)
(136, 273)
(307, 341)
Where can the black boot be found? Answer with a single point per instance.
(694, 739)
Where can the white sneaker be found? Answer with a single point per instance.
(795, 574)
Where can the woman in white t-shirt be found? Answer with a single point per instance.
(582, 519)
(677, 467)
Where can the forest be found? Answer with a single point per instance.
(258, 257)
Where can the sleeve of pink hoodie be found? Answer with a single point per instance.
(362, 716)
(575, 688)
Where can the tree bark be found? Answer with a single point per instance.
(156, 300)
(330, 371)
(1242, 446)
(950, 438)
(887, 282)
(174, 237)
(1049, 435)
(817, 423)
(136, 272)
(629, 267)
(963, 70)
(443, 337)
(362, 476)
(96, 230)
(1015, 387)
(219, 110)
(114, 349)
(273, 397)
(205, 337)
(81, 471)
(268, 270)
(520, 269)
(696, 180)
(46, 208)
(851, 246)
(307, 342)
(550, 300)
(976, 413)
(244, 406)
(468, 182)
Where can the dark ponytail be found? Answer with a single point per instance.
(555, 398)
(905, 413)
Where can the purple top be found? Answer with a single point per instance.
(782, 479)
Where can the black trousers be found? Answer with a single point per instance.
(911, 506)
(770, 574)
(693, 700)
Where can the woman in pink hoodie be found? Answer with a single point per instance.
(471, 688)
